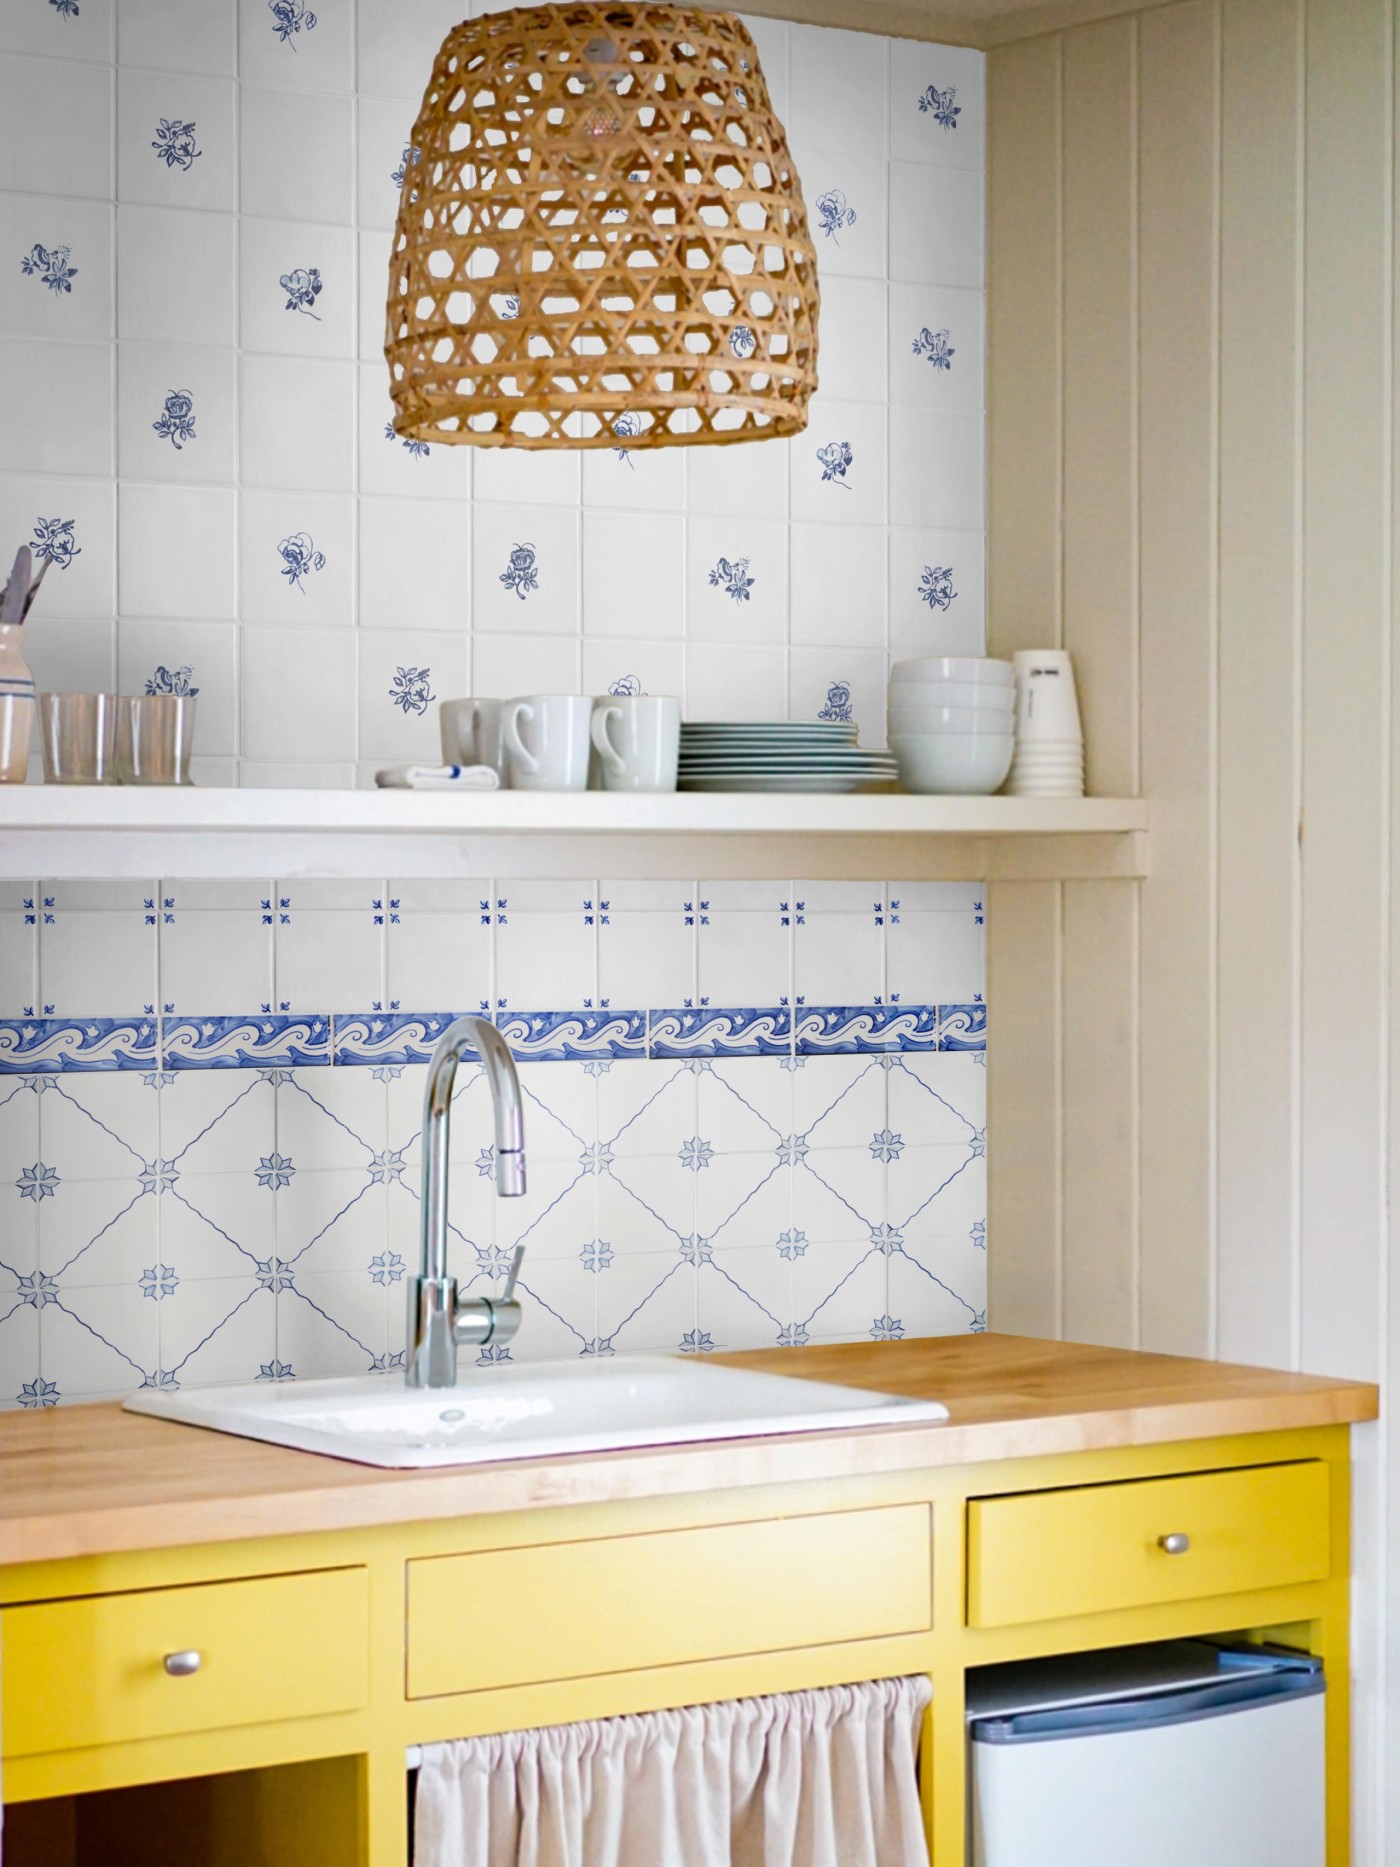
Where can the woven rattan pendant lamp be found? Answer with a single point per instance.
(601, 238)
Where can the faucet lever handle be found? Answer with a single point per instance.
(515, 1264)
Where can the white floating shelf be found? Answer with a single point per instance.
(197, 832)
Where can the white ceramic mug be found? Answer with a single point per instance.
(638, 741)
(551, 753)
(473, 733)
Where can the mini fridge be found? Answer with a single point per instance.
(1180, 1754)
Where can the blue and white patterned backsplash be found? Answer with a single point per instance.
(193, 1196)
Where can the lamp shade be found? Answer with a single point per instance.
(601, 238)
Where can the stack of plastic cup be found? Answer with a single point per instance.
(1049, 756)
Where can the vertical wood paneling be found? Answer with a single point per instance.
(1023, 348)
(1177, 289)
(1100, 455)
(1023, 1104)
(1260, 646)
(1344, 709)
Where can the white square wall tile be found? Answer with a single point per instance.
(176, 551)
(398, 41)
(175, 140)
(58, 416)
(513, 475)
(211, 961)
(432, 536)
(727, 681)
(403, 675)
(390, 464)
(746, 481)
(937, 225)
(837, 466)
(936, 469)
(179, 35)
(838, 585)
(296, 45)
(299, 694)
(646, 479)
(175, 275)
(633, 575)
(838, 88)
(383, 156)
(845, 195)
(86, 36)
(938, 104)
(35, 160)
(64, 293)
(94, 964)
(296, 423)
(853, 365)
(297, 288)
(937, 601)
(736, 580)
(176, 412)
(75, 523)
(296, 155)
(297, 559)
(504, 666)
(71, 654)
(936, 348)
(200, 658)
(525, 568)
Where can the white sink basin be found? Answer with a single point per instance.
(531, 1410)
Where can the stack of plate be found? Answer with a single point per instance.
(779, 755)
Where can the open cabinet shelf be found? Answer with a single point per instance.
(194, 832)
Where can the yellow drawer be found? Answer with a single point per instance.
(568, 1610)
(92, 1671)
(1043, 1555)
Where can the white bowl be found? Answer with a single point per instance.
(974, 669)
(904, 717)
(953, 694)
(946, 764)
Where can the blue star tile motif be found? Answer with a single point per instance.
(274, 1170)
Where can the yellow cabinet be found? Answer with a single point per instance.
(621, 1603)
(107, 1669)
(1044, 1555)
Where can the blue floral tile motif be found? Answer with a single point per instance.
(625, 427)
(521, 573)
(271, 1041)
(510, 305)
(935, 347)
(626, 687)
(962, 1027)
(760, 1031)
(940, 105)
(289, 17)
(563, 1036)
(39, 1393)
(416, 450)
(388, 1038)
(833, 213)
(411, 157)
(54, 543)
(733, 579)
(854, 1030)
(299, 558)
(838, 702)
(174, 144)
(936, 586)
(66, 9)
(50, 265)
(168, 681)
(742, 341)
(46, 1046)
(177, 419)
(411, 689)
(303, 288)
(38, 1182)
(835, 458)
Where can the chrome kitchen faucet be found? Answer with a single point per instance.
(439, 1321)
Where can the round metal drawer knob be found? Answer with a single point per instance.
(181, 1665)
(1176, 1544)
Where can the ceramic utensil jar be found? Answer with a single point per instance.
(17, 705)
(638, 741)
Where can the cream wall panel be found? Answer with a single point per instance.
(1023, 1107)
(1345, 658)
(1259, 670)
(1178, 306)
(1023, 345)
(1099, 387)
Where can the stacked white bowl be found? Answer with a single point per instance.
(952, 725)
(1049, 759)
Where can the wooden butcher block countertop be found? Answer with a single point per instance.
(92, 1480)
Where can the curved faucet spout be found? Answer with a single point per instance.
(437, 1319)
